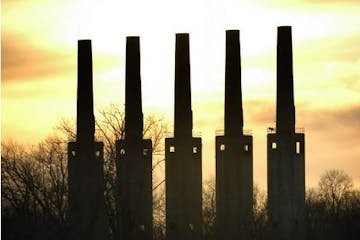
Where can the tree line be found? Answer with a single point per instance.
(34, 188)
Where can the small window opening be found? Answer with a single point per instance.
(172, 149)
(273, 145)
(246, 148)
(222, 147)
(145, 151)
(297, 147)
(122, 151)
(191, 227)
(195, 150)
(97, 153)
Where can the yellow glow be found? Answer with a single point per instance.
(42, 35)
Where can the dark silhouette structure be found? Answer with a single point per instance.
(134, 157)
(234, 155)
(286, 157)
(85, 160)
(183, 157)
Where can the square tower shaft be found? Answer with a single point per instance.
(286, 154)
(134, 158)
(183, 158)
(234, 155)
(85, 161)
(134, 182)
(286, 185)
(234, 187)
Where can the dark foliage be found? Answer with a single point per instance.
(34, 179)
(34, 189)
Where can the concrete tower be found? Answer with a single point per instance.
(234, 155)
(183, 157)
(134, 157)
(286, 157)
(85, 160)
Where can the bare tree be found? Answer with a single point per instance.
(34, 183)
(209, 211)
(333, 208)
(259, 213)
(159, 213)
(34, 178)
(334, 188)
(110, 126)
(209, 208)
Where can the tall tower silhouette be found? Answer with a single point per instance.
(183, 157)
(286, 156)
(134, 157)
(234, 155)
(85, 160)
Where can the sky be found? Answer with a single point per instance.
(38, 68)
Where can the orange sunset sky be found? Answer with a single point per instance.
(38, 68)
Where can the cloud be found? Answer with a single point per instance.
(339, 48)
(260, 111)
(343, 48)
(343, 121)
(23, 60)
(332, 140)
(332, 136)
(263, 112)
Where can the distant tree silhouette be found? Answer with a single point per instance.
(334, 189)
(34, 188)
(260, 213)
(209, 209)
(320, 219)
(34, 178)
(159, 213)
(110, 126)
(333, 209)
